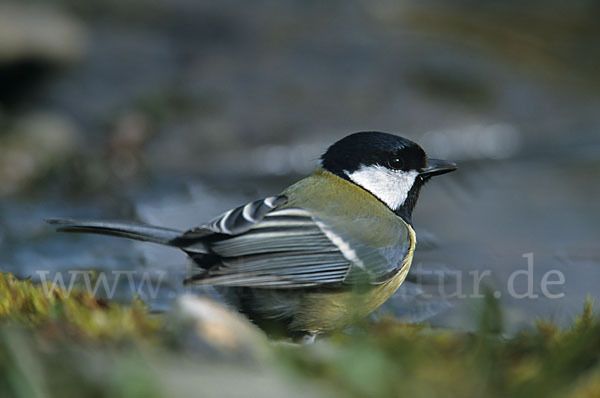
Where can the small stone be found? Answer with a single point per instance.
(219, 327)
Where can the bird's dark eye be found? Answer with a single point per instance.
(396, 163)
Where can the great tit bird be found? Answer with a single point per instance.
(327, 251)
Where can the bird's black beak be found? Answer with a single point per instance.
(437, 167)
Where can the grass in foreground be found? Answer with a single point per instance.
(80, 345)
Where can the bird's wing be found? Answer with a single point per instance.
(239, 220)
(286, 248)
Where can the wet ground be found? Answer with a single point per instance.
(175, 113)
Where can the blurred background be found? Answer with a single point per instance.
(171, 112)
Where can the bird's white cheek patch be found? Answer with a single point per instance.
(390, 186)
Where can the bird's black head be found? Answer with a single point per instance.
(391, 168)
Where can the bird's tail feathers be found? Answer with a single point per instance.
(137, 231)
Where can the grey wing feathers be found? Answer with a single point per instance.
(289, 236)
(286, 249)
(238, 220)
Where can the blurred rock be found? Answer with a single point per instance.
(31, 147)
(34, 40)
(203, 323)
(39, 33)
